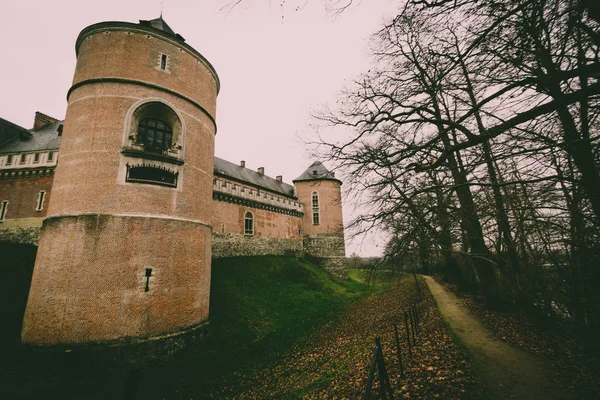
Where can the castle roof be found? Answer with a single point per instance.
(317, 172)
(46, 138)
(161, 25)
(243, 174)
(10, 131)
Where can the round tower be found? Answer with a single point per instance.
(125, 249)
(319, 191)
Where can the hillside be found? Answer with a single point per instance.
(260, 306)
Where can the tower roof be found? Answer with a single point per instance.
(161, 25)
(317, 172)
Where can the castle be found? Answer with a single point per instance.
(128, 204)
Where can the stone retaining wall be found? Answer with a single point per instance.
(21, 235)
(234, 245)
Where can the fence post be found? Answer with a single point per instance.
(407, 333)
(384, 379)
(412, 326)
(371, 373)
(398, 350)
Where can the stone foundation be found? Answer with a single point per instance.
(235, 245)
(330, 252)
(20, 235)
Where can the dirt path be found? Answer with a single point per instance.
(507, 372)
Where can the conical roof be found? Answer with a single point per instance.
(317, 172)
(161, 25)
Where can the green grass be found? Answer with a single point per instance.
(260, 308)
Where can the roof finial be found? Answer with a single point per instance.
(161, 7)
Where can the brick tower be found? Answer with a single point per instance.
(125, 251)
(320, 192)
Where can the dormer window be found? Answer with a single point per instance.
(155, 135)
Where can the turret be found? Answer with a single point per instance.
(320, 193)
(124, 253)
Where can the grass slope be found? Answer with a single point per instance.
(260, 307)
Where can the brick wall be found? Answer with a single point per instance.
(22, 195)
(229, 218)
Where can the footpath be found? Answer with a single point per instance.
(507, 372)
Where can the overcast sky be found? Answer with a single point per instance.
(275, 63)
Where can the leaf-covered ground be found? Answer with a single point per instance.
(575, 357)
(334, 363)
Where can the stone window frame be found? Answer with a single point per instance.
(9, 159)
(156, 107)
(40, 201)
(36, 158)
(50, 157)
(315, 209)
(163, 62)
(248, 224)
(3, 210)
(23, 158)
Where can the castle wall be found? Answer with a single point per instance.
(179, 287)
(22, 195)
(229, 218)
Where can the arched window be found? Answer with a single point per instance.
(154, 127)
(315, 208)
(156, 135)
(248, 224)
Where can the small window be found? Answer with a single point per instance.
(22, 160)
(163, 62)
(9, 159)
(222, 228)
(51, 155)
(248, 224)
(3, 210)
(40, 202)
(59, 130)
(36, 157)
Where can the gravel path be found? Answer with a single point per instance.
(507, 372)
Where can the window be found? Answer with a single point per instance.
(315, 208)
(9, 159)
(163, 62)
(40, 202)
(51, 156)
(154, 127)
(248, 224)
(3, 210)
(36, 157)
(155, 135)
(22, 160)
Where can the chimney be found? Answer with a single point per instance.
(243, 164)
(42, 120)
(261, 170)
(279, 178)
